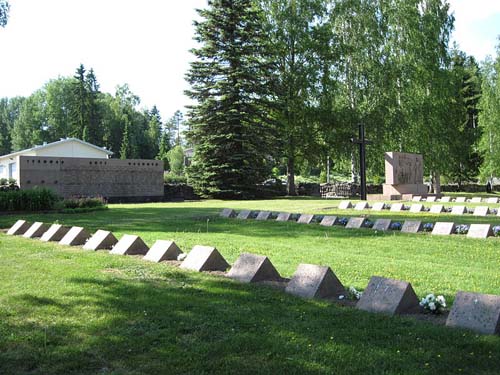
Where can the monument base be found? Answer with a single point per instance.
(405, 189)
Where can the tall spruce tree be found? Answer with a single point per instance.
(230, 127)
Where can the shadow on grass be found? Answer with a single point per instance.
(192, 324)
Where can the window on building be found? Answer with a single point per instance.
(2, 171)
(12, 170)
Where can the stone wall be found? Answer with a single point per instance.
(115, 179)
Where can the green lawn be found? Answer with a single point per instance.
(64, 310)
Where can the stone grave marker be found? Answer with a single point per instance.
(163, 250)
(55, 233)
(475, 311)
(312, 281)
(436, 209)
(476, 200)
(479, 231)
(36, 230)
(227, 213)
(388, 296)
(458, 210)
(460, 199)
(328, 221)
(102, 239)
(396, 207)
(263, 215)
(252, 268)
(130, 244)
(481, 211)
(492, 200)
(75, 236)
(283, 216)
(360, 206)
(411, 226)
(443, 228)
(19, 227)
(416, 207)
(355, 222)
(244, 214)
(382, 224)
(445, 199)
(431, 198)
(344, 205)
(378, 206)
(204, 258)
(305, 219)
(416, 198)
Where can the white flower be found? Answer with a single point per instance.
(423, 301)
(432, 306)
(430, 297)
(341, 296)
(181, 257)
(441, 301)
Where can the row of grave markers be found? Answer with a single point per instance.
(418, 198)
(416, 208)
(408, 226)
(475, 311)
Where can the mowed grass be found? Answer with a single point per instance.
(64, 310)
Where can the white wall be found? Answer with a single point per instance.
(72, 149)
(4, 167)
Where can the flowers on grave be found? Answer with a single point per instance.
(181, 257)
(461, 229)
(493, 211)
(368, 223)
(354, 294)
(343, 221)
(496, 230)
(433, 304)
(428, 227)
(447, 209)
(396, 226)
(405, 207)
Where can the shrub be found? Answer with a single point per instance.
(28, 200)
(171, 178)
(84, 202)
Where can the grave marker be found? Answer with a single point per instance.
(458, 210)
(481, 211)
(411, 226)
(344, 205)
(476, 200)
(479, 231)
(244, 214)
(227, 213)
(263, 215)
(388, 296)
(55, 233)
(36, 230)
(416, 208)
(305, 219)
(360, 206)
(102, 239)
(75, 236)
(382, 224)
(492, 200)
(396, 207)
(431, 198)
(204, 258)
(312, 281)
(378, 206)
(416, 198)
(475, 311)
(436, 209)
(283, 216)
(445, 199)
(130, 244)
(252, 268)
(328, 221)
(163, 250)
(442, 228)
(460, 200)
(19, 227)
(355, 222)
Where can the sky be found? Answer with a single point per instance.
(146, 44)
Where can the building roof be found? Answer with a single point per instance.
(63, 140)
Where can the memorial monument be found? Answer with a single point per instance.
(404, 176)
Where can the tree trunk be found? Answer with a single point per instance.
(354, 175)
(436, 183)
(290, 170)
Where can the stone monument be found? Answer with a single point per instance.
(404, 175)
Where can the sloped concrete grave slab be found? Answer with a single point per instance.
(378, 206)
(416, 198)
(382, 224)
(458, 210)
(252, 268)
(263, 215)
(460, 199)
(227, 213)
(101, 240)
(445, 199)
(55, 233)
(411, 226)
(479, 231)
(312, 281)
(416, 207)
(436, 209)
(305, 219)
(37, 229)
(360, 206)
(344, 205)
(475, 311)
(355, 223)
(283, 216)
(163, 250)
(442, 228)
(476, 200)
(244, 214)
(432, 198)
(492, 200)
(19, 227)
(328, 221)
(204, 258)
(481, 211)
(130, 244)
(76, 236)
(388, 296)
(396, 207)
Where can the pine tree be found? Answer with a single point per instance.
(230, 80)
(154, 132)
(126, 147)
(94, 133)
(79, 111)
(164, 148)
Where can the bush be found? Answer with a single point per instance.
(172, 178)
(84, 202)
(28, 200)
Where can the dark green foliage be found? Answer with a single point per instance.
(28, 200)
(171, 178)
(84, 202)
(230, 80)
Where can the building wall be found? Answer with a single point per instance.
(5, 167)
(110, 178)
(71, 149)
